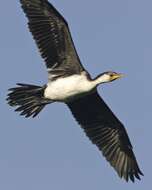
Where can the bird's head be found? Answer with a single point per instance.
(108, 76)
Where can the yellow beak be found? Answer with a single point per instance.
(117, 76)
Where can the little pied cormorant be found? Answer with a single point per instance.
(70, 83)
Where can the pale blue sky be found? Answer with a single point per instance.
(51, 151)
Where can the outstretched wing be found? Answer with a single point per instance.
(107, 132)
(52, 36)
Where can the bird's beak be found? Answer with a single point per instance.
(117, 76)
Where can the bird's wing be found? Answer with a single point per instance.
(107, 132)
(51, 33)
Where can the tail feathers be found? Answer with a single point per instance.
(29, 99)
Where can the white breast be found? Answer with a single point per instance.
(65, 88)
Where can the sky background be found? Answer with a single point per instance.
(51, 151)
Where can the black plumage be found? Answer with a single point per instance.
(51, 33)
(107, 132)
(28, 98)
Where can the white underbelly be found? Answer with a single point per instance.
(67, 88)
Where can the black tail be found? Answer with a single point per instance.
(29, 99)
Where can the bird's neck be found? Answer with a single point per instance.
(100, 79)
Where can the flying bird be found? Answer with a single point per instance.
(70, 83)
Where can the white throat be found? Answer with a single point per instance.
(102, 79)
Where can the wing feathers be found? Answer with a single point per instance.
(108, 133)
(52, 35)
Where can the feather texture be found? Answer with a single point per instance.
(52, 36)
(107, 133)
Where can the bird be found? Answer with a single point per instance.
(70, 83)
